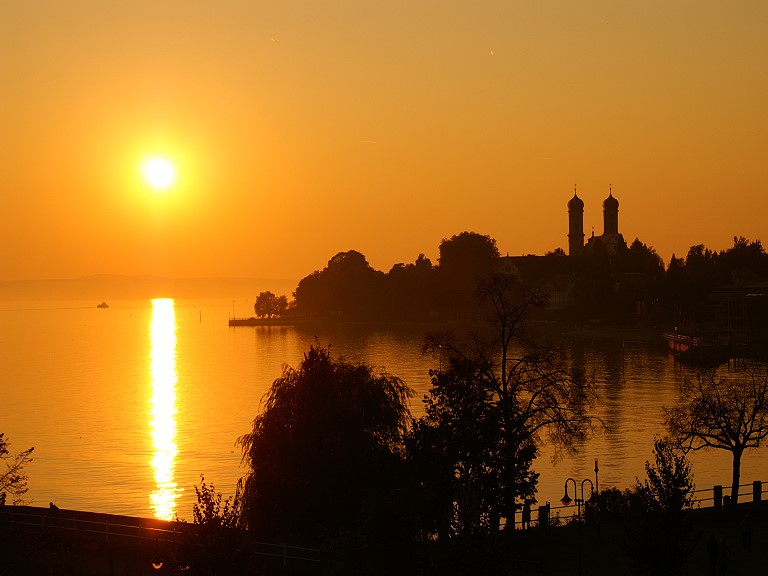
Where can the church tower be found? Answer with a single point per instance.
(575, 225)
(610, 215)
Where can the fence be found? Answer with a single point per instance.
(123, 529)
(547, 514)
(718, 499)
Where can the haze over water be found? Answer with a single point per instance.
(126, 407)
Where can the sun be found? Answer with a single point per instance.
(159, 173)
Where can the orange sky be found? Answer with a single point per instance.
(302, 128)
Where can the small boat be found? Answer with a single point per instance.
(103, 305)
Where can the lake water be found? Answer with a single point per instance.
(127, 406)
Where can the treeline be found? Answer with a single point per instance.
(689, 282)
(350, 288)
(631, 285)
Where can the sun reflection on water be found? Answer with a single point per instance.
(163, 414)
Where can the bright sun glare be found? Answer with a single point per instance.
(159, 173)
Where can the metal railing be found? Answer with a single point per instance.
(714, 497)
(69, 520)
(719, 499)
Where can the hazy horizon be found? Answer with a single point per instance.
(111, 287)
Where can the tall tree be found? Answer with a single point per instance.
(13, 478)
(347, 287)
(529, 388)
(265, 305)
(410, 290)
(464, 258)
(456, 449)
(324, 449)
(727, 412)
(746, 262)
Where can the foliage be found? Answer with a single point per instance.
(458, 448)
(218, 546)
(669, 485)
(464, 258)
(616, 502)
(268, 305)
(525, 390)
(325, 448)
(409, 290)
(627, 285)
(689, 281)
(347, 287)
(208, 510)
(468, 251)
(13, 479)
(660, 537)
(723, 412)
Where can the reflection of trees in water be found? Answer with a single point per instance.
(633, 381)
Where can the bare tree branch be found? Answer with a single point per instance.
(728, 412)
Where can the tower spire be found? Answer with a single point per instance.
(575, 224)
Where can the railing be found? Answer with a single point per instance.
(719, 499)
(703, 498)
(73, 521)
(70, 521)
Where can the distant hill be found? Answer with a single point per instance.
(114, 287)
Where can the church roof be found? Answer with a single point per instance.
(576, 202)
(611, 202)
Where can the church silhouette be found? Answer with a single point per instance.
(611, 239)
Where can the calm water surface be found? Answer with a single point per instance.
(126, 407)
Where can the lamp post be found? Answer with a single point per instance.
(597, 487)
(566, 500)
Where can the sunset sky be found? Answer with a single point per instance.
(301, 128)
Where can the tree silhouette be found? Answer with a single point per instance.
(726, 413)
(660, 538)
(209, 511)
(324, 449)
(668, 486)
(347, 287)
(13, 479)
(268, 305)
(529, 387)
(464, 258)
(410, 290)
(458, 451)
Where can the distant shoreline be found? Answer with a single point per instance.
(620, 333)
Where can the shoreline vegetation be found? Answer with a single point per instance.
(621, 292)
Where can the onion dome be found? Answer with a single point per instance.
(575, 203)
(610, 203)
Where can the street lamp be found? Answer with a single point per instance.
(566, 500)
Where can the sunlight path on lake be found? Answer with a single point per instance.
(163, 423)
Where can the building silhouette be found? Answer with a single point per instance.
(575, 225)
(610, 240)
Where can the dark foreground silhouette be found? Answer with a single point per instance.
(715, 542)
